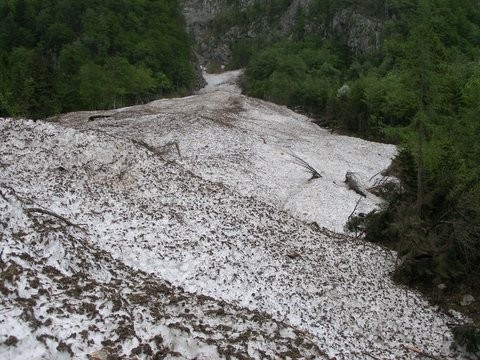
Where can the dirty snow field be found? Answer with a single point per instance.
(185, 229)
(250, 145)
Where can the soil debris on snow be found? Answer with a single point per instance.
(112, 244)
(247, 144)
(63, 297)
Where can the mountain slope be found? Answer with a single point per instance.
(62, 297)
(81, 197)
(252, 146)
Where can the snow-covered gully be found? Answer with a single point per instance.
(185, 229)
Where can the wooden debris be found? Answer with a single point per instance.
(95, 117)
(307, 166)
(293, 255)
(353, 183)
(50, 213)
(420, 352)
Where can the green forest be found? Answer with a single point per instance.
(60, 56)
(420, 90)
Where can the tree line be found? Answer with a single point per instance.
(60, 56)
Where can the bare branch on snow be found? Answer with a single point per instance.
(299, 161)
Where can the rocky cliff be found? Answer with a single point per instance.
(216, 25)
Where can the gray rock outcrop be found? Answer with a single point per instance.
(363, 33)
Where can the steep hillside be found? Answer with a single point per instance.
(63, 297)
(100, 223)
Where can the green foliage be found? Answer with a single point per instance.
(468, 336)
(243, 50)
(117, 82)
(70, 55)
(470, 92)
(294, 74)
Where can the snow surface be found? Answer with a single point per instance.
(185, 229)
(250, 145)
